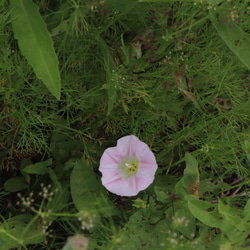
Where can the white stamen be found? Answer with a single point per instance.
(128, 165)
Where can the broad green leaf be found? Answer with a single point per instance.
(62, 27)
(189, 183)
(35, 43)
(87, 192)
(191, 166)
(17, 232)
(232, 216)
(161, 194)
(15, 184)
(199, 209)
(208, 214)
(184, 222)
(40, 168)
(234, 37)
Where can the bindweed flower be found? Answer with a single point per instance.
(77, 242)
(127, 168)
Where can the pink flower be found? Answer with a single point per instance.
(127, 168)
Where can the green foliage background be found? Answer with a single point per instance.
(78, 75)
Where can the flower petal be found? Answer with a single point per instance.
(109, 176)
(145, 155)
(146, 169)
(111, 158)
(129, 145)
(123, 187)
(143, 182)
(129, 187)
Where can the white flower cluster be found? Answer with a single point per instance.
(46, 193)
(86, 220)
(26, 201)
(117, 79)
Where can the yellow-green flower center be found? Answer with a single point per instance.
(129, 166)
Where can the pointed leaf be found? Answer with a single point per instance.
(17, 232)
(232, 216)
(87, 192)
(189, 183)
(188, 227)
(208, 214)
(35, 43)
(199, 209)
(233, 36)
(39, 167)
(15, 184)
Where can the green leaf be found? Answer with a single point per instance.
(208, 214)
(139, 203)
(234, 37)
(184, 222)
(18, 232)
(87, 192)
(61, 197)
(25, 162)
(191, 166)
(15, 184)
(189, 183)
(232, 216)
(40, 168)
(199, 209)
(55, 179)
(35, 43)
(161, 194)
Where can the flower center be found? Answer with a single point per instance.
(129, 166)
